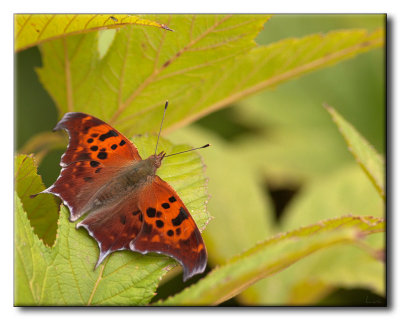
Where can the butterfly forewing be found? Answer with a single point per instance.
(96, 152)
(91, 139)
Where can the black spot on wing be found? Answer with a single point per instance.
(102, 155)
(94, 164)
(180, 217)
(151, 212)
(114, 146)
(170, 233)
(165, 205)
(172, 199)
(159, 224)
(122, 143)
(107, 135)
(94, 148)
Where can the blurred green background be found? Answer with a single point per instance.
(283, 138)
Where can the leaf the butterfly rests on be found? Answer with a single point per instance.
(127, 206)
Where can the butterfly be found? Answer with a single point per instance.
(127, 206)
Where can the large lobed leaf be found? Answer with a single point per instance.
(64, 275)
(206, 64)
(365, 154)
(272, 256)
(33, 29)
(143, 67)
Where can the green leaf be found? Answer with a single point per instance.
(206, 64)
(30, 260)
(365, 154)
(272, 256)
(343, 191)
(64, 275)
(33, 29)
(42, 210)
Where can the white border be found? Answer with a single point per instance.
(176, 6)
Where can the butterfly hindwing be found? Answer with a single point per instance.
(168, 228)
(114, 227)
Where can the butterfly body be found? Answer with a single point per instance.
(128, 181)
(125, 204)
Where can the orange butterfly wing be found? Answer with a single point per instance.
(95, 152)
(169, 229)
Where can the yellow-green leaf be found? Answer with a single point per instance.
(273, 256)
(267, 66)
(143, 67)
(33, 29)
(365, 154)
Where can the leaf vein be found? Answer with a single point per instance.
(45, 26)
(69, 23)
(90, 20)
(23, 25)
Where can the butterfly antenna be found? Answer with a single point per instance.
(205, 146)
(158, 138)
